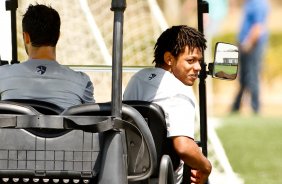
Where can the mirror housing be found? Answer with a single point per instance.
(225, 65)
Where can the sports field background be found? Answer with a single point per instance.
(253, 146)
(252, 142)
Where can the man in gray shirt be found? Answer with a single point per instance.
(41, 77)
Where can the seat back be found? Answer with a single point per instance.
(43, 107)
(155, 118)
(7, 107)
(37, 107)
(141, 152)
(74, 155)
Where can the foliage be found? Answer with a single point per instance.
(253, 146)
(273, 60)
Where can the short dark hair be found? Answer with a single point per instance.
(175, 39)
(42, 23)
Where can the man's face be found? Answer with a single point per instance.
(186, 66)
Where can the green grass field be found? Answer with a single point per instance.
(254, 147)
(227, 69)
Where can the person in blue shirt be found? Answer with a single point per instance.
(252, 40)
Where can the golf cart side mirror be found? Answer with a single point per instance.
(225, 65)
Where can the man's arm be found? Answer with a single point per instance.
(190, 153)
(252, 37)
(88, 95)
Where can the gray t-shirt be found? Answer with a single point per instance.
(163, 88)
(47, 81)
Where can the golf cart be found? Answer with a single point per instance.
(106, 143)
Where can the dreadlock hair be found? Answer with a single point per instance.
(175, 39)
(42, 23)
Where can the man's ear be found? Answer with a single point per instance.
(26, 38)
(168, 58)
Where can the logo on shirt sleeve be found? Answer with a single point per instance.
(41, 69)
(152, 76)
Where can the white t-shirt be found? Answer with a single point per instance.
(176, 99)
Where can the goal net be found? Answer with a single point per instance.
(87, 31)
(86, 40)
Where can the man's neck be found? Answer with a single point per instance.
(44, 52)
(164, 66)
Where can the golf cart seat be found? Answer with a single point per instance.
(43, 107)
(89, 149)
(7, 107)
(141, 151)
(155, 119)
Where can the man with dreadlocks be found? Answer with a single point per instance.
(177, 57)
